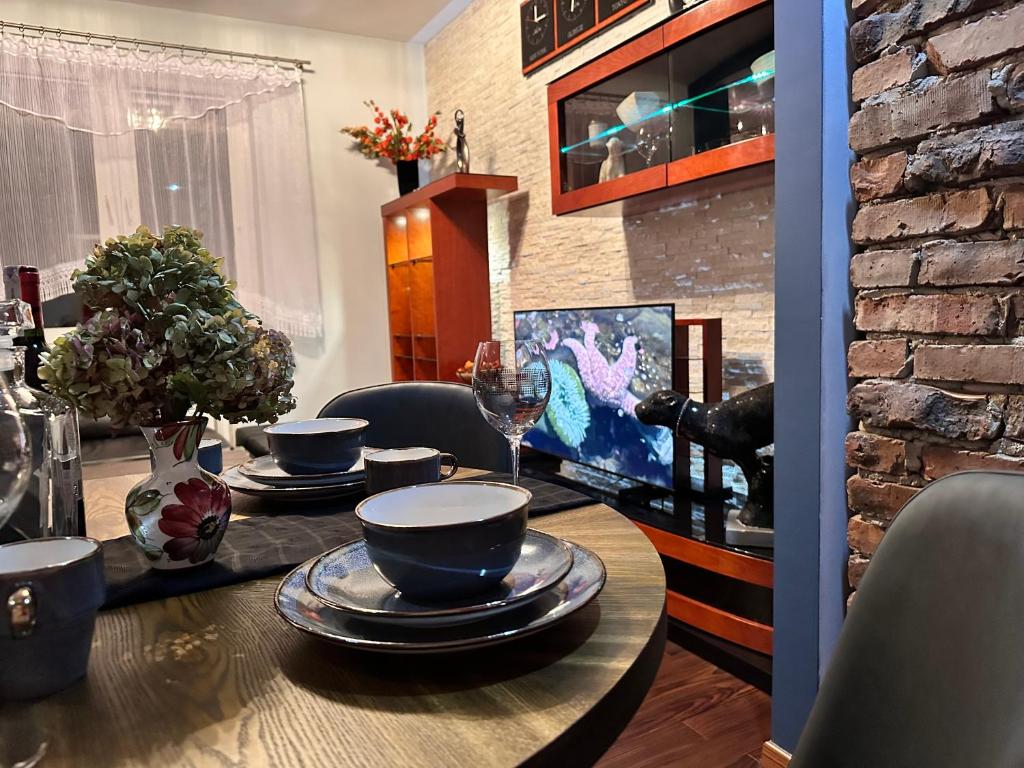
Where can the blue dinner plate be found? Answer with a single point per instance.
(345, 578)
(301, 608)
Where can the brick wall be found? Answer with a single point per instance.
(939, 134)
(712, 257)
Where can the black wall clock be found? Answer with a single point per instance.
(574, 18)
(537, 22)
(550, 28)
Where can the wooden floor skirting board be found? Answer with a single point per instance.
(774, 756)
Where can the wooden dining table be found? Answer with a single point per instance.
(217, 678)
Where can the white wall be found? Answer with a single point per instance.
(347, 189)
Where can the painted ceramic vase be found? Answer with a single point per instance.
(179, 513)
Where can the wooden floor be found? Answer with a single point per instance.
(695, 715)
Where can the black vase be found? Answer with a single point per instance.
(408, 176)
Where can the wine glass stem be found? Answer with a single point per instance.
(513, 443)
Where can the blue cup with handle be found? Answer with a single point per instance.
(211, 455)
(50, 592)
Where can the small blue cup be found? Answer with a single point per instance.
(211, 455)
(50, 591)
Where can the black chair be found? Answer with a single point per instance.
(437, 414)
(929, 669)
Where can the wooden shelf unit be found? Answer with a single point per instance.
(731, 159)
(435, 254)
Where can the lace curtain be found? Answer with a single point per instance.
(98, 139)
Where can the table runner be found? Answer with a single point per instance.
(268, 544)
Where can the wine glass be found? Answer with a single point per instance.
(512, 385)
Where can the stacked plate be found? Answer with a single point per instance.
(264, 478)
(339, 596)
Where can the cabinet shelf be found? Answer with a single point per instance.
(688, 101)
(409, 262)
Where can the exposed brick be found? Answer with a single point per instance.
(914, 110)
(863, 536)
(1007, 86)
(946, 262)
(994, 150)
(958, 212)
(971, 44)
(884, 269)
(907, 405)
(876, 453)
(855, 569)
(943, 313)
(1012, 203)
(876, 33)
(941, 460)
(1014, 414)
(888, 71)
(877, 501)
(888, 358)
(862, 8)
(879, 176)
(988, 364)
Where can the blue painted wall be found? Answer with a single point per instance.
(812, 326)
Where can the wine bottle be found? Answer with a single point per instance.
(53, 503)
(34, 339)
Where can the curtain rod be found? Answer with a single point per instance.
(299, 64)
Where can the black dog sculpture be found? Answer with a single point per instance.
(733, 429)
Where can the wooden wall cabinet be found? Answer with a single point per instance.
(435, 253)
(686, 101)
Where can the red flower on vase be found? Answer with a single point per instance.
(186, 435)
(197, 524)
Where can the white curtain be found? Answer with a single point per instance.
(97, 139)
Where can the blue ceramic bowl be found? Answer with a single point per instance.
(316, 445)
(447, 540)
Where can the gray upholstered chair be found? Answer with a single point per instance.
(437, 414)
(929, 669)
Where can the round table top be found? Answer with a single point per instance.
(217, 678)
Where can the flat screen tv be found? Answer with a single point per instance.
(604, 360)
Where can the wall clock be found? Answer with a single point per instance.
(537, 23)
(574, 18)
(549, 28)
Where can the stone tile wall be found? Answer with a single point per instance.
(713, 257)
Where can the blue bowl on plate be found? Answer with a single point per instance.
(444, 541)
(314, 446)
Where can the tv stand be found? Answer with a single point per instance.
(641, 495)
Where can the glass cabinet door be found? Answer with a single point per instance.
(723, 85)
(617, 127)
(708, 91)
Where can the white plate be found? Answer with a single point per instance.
(300, 608)
(265, 470)
(239, 482)
(345, 578)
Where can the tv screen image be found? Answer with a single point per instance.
(604, 361)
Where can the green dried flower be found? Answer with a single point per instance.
(167, 336)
